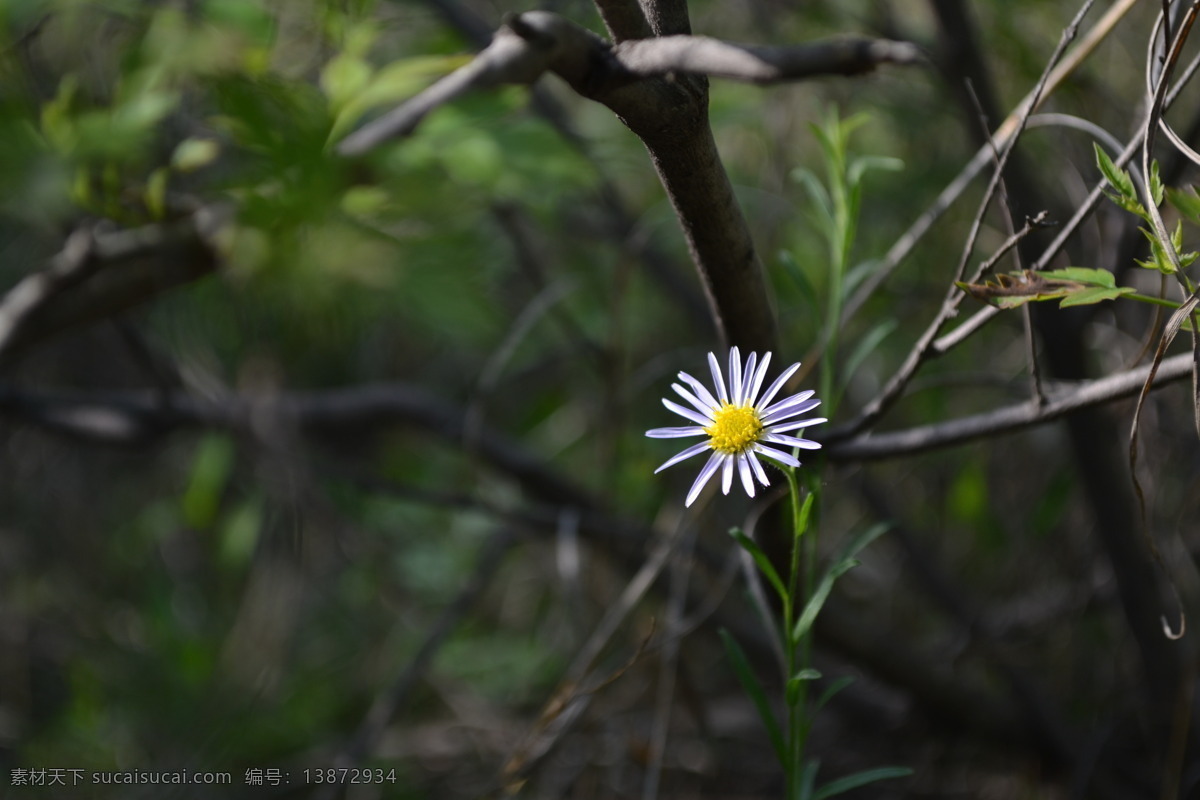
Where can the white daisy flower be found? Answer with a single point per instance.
(738, 423)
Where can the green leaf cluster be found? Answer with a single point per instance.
(1125, 195)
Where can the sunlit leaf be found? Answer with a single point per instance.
(1117, 178)
(192, 154)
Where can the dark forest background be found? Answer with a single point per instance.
(324, 455)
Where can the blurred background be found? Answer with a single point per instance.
(309, 462)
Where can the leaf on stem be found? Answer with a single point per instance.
(1073, 286)
(808, 779)
(804, 516)
(844, 563)
(1125, 196)
(831, 690)
(745, 675)
(867, 345)
(760, 558)
(792, 691)
(858, 779)
(819, 596)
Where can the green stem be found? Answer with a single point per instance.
(795, 741)
(798, 652)
(1158, 301)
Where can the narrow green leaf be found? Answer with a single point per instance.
(863, 539)
(1118, 178)
(858, 779)
(817, 194)
(805, 515)
(1156, 185)
(858, 274)
(792, 690)
(831, 690)
(840, 567)
(867, 345)
(808, 292)
(808, 779)
(819, 596)
(760, 558)
(863, 164)
(745, 675)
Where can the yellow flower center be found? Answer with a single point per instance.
(734, 429)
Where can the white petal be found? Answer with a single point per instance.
(778, 455)
(709, 468)
(675, 433)
(782, 417)
(718, 381)
(727, 474)
(756, 384)
(791, 441)
(778, 384)
(735, 376)
(700, 390)
(796, 404)
(686, 454)
(791, 426)
(707, 410)
(747, 478)
(747, 379)
(758, 470)
(694, 416)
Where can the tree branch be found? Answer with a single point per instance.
(703, 55)
(1003, 420)
(98, 275)
(536, 42)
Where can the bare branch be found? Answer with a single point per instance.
(533, 43)
(99, 275)
(763, 65)
(1059, 403)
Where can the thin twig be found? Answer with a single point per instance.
(1002, 420)
(904, 246)
(921, 350)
